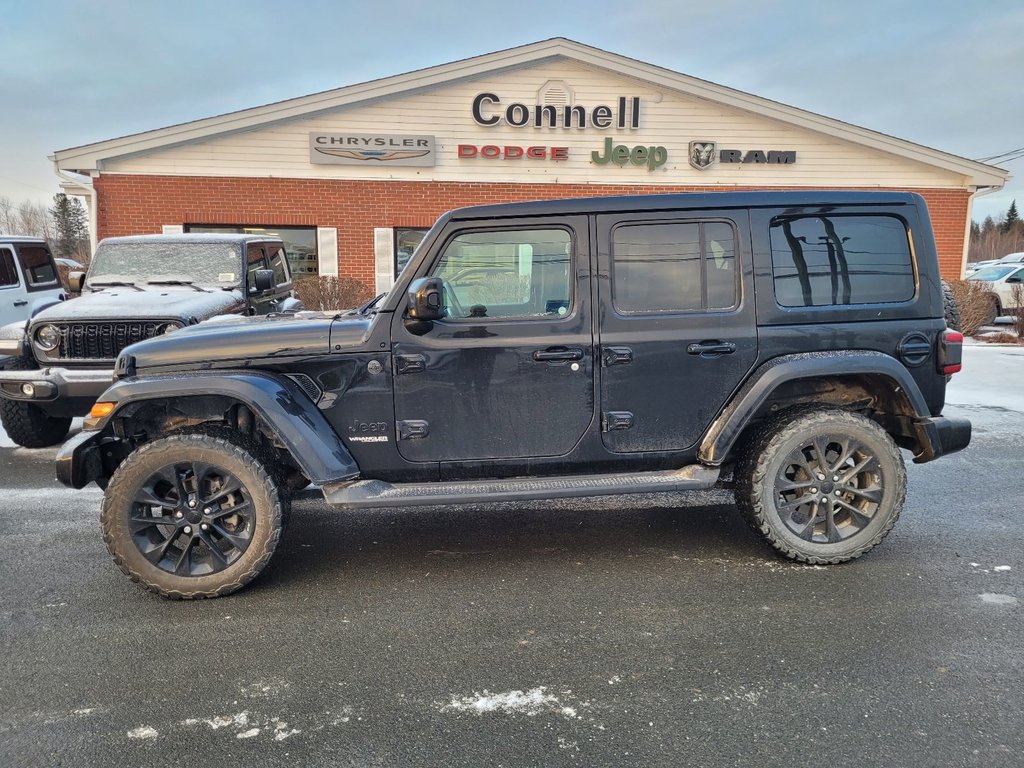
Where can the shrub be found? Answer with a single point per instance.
(330, 293)
(976, 303)
(1018, 311)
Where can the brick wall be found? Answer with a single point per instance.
(130, 205)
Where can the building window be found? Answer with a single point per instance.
(835, 260)
(406, 241)
(299, 243)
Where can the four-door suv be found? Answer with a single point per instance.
(28, 278)
(62, 359)
(552, 349)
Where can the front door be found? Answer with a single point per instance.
(509, 372)
(677, 327)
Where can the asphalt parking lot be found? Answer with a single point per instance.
(647, 631)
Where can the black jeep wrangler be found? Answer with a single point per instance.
(62, 358)
(552, 349)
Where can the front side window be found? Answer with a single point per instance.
(255, 260)
(37, 266)
(279, 264)
(836, 260)
(8, 274)
(674, 267)
(524, 273)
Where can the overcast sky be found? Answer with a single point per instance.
(944, 74)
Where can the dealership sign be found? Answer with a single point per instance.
(371, 149)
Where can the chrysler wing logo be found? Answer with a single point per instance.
(702, 154)
(383, 155)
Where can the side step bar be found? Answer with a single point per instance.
(377, 493)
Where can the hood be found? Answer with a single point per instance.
(244, 341)
(154, 302)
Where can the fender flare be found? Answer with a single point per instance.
(279, 402)
(718, 440)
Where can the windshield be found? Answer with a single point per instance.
(990, 274)
(202, 263)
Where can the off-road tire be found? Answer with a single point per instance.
(765, 451)
(27, 424)
(269, 502)
(950, 308)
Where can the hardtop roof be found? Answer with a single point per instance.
(686, 201)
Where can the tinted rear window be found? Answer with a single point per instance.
(678, 267)
(836, 260)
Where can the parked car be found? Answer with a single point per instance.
(974, 266)
(1002, 279)
(28, 278)
(546, 350)
(62, 358)
(1012, 258)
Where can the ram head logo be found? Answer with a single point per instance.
(702, 154)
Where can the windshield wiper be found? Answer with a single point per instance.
(177, 281)
(370, 304)
(115, 284)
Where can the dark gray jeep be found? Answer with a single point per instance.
(62, 358)
(552, 349)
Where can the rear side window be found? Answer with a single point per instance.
(679, 267)
(823, 261)
(8, 274)
(37, 266)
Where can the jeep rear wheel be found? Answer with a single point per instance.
(822, 485)
(192, 516)
(27, 424)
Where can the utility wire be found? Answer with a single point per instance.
(1003, 155)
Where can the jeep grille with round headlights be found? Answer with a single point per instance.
(100, 340)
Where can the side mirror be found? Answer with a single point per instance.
(426, 299)
(263, 280)
(1014, 279)
(75, 281)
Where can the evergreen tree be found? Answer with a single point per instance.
(1012, 220)
(72, 230)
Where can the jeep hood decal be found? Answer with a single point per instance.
(237, 340)
(164, 302)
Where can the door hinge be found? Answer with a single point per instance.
(410, 364)
(616, 356)
(413, 429)
(612, 420)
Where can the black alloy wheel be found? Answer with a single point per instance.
(828, 489)
(821, 485)
(192, 519)
(194, 515)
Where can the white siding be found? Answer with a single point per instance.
(668, 118)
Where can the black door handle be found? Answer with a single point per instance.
(710, 348)
(555, 354)
(21, 303)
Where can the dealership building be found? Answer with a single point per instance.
(352, 178)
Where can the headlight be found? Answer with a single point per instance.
(48, 337)
(166, 328)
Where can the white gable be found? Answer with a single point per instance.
(675, 109)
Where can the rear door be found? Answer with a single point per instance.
(677, 327)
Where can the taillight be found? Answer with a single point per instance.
(951, 348)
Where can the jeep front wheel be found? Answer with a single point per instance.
(192, 516)
(821, 486)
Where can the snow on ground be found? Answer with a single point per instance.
(992, 377)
